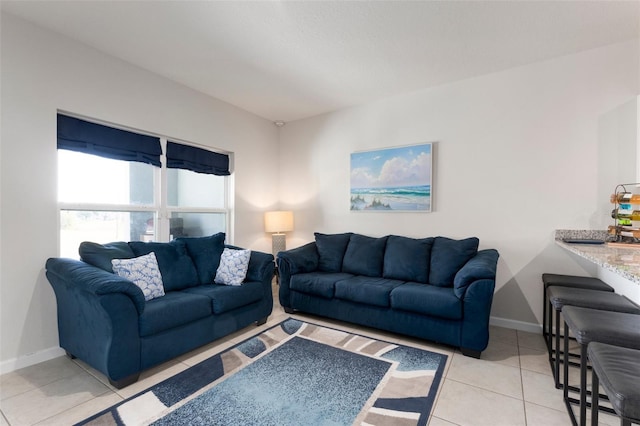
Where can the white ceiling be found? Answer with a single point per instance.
(286, 60)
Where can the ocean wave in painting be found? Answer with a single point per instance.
(416, 198)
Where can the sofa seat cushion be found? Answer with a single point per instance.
(317, 283)
(224, 298)
(172, 310)
(367, 290)
(427, 299)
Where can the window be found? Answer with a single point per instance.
(196, 203)
(105, 195)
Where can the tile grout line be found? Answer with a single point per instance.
(41, 385)
(485, 389)
(90, 374)
(440, 386)
(524, 403)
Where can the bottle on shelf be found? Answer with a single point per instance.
(625, 214)
(625, 198)
(626, 229)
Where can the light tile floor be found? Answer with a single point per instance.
(510, 385)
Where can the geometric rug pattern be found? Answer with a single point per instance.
(294, 373)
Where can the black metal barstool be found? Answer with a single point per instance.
(573, 281)
(560, 297)
(592, 325)
(619, 371)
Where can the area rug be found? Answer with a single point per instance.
(295, 373)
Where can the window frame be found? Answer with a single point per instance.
(165, 212)
(160, 207)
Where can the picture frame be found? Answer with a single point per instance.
(396, 179)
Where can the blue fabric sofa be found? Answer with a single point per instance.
(437, 289)
(104, 319)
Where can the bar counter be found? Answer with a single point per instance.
(619, 260)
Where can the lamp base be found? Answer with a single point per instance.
(278, 243)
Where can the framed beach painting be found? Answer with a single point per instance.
(392, 179)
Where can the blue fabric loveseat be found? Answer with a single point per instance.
(437, 289)
(105, 320)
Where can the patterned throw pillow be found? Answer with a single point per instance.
(143, 271)
(233, 267)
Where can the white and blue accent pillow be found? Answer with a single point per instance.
(233, 267)
(143, 271)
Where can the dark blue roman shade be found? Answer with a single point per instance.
(196, 159)
(91, 138)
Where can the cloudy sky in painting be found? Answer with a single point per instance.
(393, 167)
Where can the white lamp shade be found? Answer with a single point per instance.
(278, 221)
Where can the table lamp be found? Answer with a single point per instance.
(277, 223)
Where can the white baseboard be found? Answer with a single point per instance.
(30, 359)
(516, 325)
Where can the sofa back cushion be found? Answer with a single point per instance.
(331, 249)
(101, 255)
(407, 259)
(448, 256)
(205, 252)
(177, 268)
(364, 256)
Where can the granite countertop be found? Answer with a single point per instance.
(622, 261)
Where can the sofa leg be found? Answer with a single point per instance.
(70, 355)
(261, 321)
(289, 310)
(119, 384)
(470, 352)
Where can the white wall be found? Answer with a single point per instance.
(43, 72)
(516, 157)
(617, 155)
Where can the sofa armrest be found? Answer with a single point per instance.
(301, 259)
(261, 267)
(98, 315)
(482, 266)
(295, 261)
(88, 278)
(474, 284)
(476, 315)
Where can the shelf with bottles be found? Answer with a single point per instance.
(626, 215)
